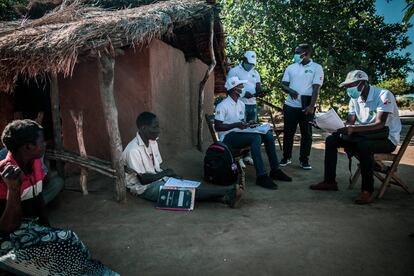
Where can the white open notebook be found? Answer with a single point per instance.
(329, 121)
(261, 129)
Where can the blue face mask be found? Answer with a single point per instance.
(297, 58)
(353, 92)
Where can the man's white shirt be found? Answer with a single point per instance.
(252, 78)
(142, 159)
(301, 78)
(229, 112)
(378, 100)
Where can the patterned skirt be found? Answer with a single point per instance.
(39, 250)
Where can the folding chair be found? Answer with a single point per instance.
(237, 153)
(278, 127)
(387, 174)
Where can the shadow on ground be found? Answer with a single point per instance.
(291, 231)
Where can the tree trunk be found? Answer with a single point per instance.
(78, 120)
(106, 66)
(203, 86)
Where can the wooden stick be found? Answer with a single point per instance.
(57, 125)
(105, 170)
(78, 120)
(106, 66)
(203, 85)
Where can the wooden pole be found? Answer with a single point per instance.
(57, 123)
(78, 120)
(203, 85)
(106, 66)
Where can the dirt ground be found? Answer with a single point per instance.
(290, 231)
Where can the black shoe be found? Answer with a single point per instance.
(266, 182)
(280, 175)
(305, 165)
(284, 162)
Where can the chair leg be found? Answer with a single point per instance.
(355, 178)
(385, 184)
(242, 174)
(401, 183)
(280, 143)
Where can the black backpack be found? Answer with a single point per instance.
(219, 165)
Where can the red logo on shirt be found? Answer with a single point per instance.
(387, 101)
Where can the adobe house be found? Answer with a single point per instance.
(107, 66)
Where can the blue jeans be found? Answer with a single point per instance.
(251, 112)
(237, 140)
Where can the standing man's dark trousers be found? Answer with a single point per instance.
(364, 149)
(292, 117)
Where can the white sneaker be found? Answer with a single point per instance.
(248, 160)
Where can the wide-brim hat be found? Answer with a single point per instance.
(233, 82)
(353, 76)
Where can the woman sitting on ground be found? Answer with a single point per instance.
(27, 243)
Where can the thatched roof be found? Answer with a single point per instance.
(56, 41)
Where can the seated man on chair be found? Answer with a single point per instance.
(374, 109)
(143, 157)
(229, 117)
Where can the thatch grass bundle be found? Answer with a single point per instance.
(53, 43)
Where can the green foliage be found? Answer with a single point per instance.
(346, 35)
(7, 11)
(398, 86)
(405, 103)
(409, 11)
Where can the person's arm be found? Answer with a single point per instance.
(310, 109)
(220, 126)
(285, 85)
(13, 214)
(148, 178)
(288, 90)
(379, 123)
(350, 119)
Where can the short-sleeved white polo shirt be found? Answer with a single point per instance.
(229, 112)
(142, 159)
(301, 78)
(252, 78)
(378, 100)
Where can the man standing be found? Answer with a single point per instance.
(143, 157)
(302, 81)
(229, 117)
(374, 109)
(246, 72)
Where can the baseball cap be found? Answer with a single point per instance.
(353, 76)
(251, 57)
(233, 82)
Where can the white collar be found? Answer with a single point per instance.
(370, 96)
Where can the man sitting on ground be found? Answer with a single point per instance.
(143, 157)
(374, 109)
(229, 117)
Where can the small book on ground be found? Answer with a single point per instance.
(176, 198)
(329, 121)
(261, 129)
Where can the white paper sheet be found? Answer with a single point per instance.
(262, 129)
(174, 182)
(329, 121)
